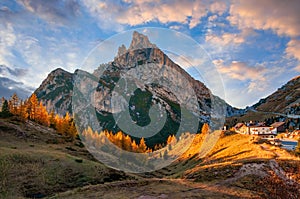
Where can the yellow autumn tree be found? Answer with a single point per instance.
(142, 146)
(42, 115)
(65, 124)
(157, 147)
(171, 139)
(23, 110)
(58, 124)
(32, 106)
(52, 120)
(205, 128)
(134, 146)
(72, 130)
(127, 143)
(14, 104)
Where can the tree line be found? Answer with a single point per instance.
(33, 109)
(125, 142)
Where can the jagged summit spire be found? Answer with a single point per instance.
(140, 41)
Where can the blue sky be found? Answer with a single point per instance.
(254, 45)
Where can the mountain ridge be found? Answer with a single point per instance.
(282, 99)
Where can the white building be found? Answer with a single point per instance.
(263, 131)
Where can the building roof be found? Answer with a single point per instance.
(262, 134)
(239, 125)
(277, 124)
(260, 124)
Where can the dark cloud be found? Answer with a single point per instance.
(8, 87)
(17, 72)
(53, 11)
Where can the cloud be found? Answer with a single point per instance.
(255, 75)
(293, 49)
(241, 71)
(7, 41)
(114, 15)
(54, 11)
(227, 38)
(297, 68)
(245, 84)
(16, 72)
(218, 7)
(8, 87)
(280, 16)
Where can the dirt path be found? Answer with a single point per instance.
(157, 189)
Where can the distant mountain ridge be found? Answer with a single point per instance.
(281, 105)
(282, 100)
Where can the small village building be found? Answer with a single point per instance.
(260, 129)
(241, 128)
(279, 126)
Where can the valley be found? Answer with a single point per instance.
(122, 132)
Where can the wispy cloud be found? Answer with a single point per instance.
(54, 11)
(16, 72)
(7, 41)
(241, 70)
(293, 49)
(246, 83)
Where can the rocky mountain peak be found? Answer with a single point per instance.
(56, 91)
(140, 41)
(59, 72)
(122, 49)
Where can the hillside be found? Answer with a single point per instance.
(283, 104)
(281, 100)
(235, 168)
(37, 162)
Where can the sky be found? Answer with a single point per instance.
(254, 45)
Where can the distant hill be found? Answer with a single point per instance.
(281, 100)
(284, 103)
